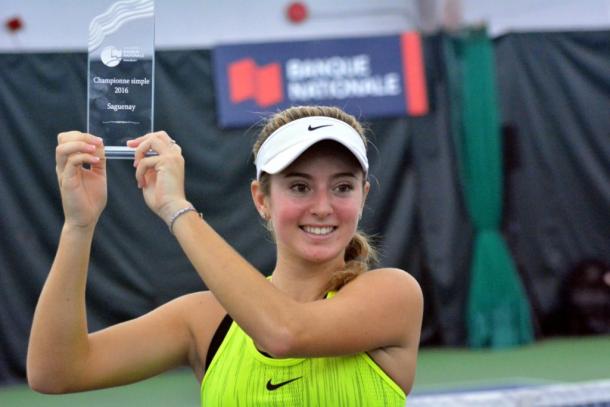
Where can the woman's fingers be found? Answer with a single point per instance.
(160, 176)
(64, 151)
(68, 136)
(136, 141)
(73, 142)
(160, 142)
(100, 166)
(144, 165)
(77, 160)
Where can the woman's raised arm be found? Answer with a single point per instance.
(62, 355)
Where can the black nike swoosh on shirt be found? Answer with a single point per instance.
(317, 127)
(271, 386)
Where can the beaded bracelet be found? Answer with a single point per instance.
(177, 214)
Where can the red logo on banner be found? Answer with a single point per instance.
(261, 83)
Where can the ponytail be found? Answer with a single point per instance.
(359, 255)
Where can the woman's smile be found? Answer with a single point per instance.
(318, 230)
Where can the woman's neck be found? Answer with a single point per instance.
(303, 282)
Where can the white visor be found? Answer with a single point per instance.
(291, 140)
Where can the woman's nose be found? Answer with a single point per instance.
(321, 205)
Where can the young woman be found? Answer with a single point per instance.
(320, 331)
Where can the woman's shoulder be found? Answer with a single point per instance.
(197, 297)
(200, 310)
(388, 277)
(199, 301)
(388, 282)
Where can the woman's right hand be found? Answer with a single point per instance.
(83, 191)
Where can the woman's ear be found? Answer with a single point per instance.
(365, 192)
(259, 199)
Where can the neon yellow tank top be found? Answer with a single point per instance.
(239, 375)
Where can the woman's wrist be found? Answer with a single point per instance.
(169, 211)
(76, 228)
(178, 214)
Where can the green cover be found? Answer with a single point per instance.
(498, 311)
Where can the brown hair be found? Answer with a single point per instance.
(359, 253)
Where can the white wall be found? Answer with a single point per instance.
(63, 24)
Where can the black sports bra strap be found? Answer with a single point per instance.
(217, 339)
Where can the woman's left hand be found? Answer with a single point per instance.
(160, 176)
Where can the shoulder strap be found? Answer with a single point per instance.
(217, 339)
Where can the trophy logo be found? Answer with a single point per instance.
(111, 56)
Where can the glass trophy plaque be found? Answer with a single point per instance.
(120, 88)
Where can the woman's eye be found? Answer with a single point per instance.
(344, 188)
(299, 188)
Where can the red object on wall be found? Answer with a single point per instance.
(416, 96)
(14, 24)
(241, 80)
(248, 81)
(297, 12)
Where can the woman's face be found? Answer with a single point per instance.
(315, 204)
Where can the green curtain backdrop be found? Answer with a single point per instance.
(498, 312)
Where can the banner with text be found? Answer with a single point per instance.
(368, 77)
